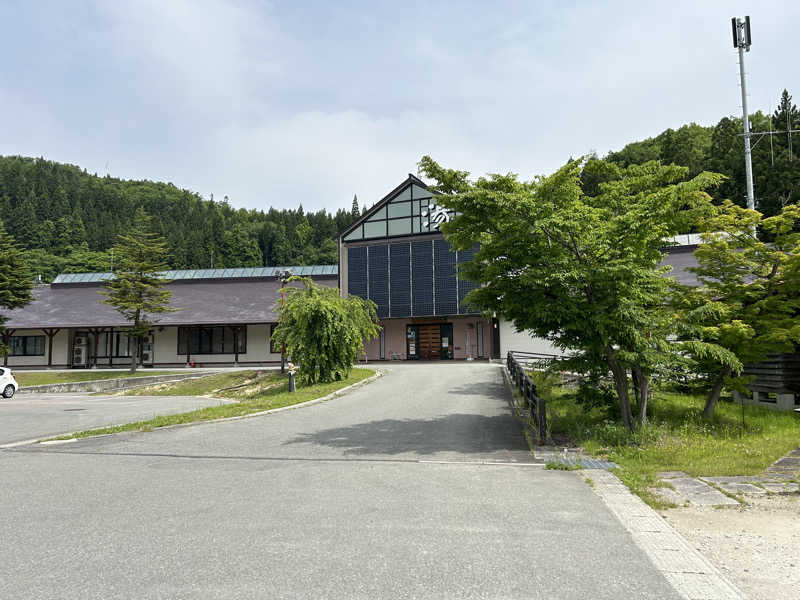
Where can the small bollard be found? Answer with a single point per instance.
(291, 377)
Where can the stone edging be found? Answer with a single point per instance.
(688, 571)
(337, 393)
(114, 383)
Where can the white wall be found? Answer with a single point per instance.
(522, 341)
(166, 348)
(60, 350)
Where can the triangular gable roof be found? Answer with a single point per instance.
(410, 180)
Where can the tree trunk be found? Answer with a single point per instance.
(642, 392)
(621, 383)
(713, 395)
(135, 354)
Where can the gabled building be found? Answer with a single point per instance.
(220, 317)
(396, 256)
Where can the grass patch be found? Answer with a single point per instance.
(26, 379)
(678, 439)
(202, 386)
(553, 465)
(274, 393)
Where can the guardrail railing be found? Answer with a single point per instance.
(517, 364)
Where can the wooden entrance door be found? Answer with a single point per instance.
(430, 343)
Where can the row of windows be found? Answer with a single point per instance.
(405, 214)
(200, 340)
(212, 340)
(27, 345)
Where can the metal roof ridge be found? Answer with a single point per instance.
(224, 273)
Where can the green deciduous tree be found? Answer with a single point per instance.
(749, 301)
(580, 270)
(15, 279)
(136, 290)
(323, 332)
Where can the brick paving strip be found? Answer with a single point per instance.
(683, 566)
(714, 491)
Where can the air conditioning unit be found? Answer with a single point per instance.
(146, 357)
(79, 356)
(80, 341)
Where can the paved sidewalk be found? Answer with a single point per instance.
(683, 566)
(684, 490)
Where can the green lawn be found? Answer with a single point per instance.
(25, 378)
(678, 439)
(203, 386)
(264, 392)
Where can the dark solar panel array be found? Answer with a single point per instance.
(378, 260)
(357, 271)
(444, 275)
(400, 279)
(422, 277)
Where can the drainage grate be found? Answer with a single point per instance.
(73, 409)
(573, 459)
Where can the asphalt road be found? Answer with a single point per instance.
(38, 416)
(415, 486)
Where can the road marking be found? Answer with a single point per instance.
(481, 462)
(54, 442)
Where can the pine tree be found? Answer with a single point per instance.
(15, 279)
(354, 211)
(136, 290)
(785, 118)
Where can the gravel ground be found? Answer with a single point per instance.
(756, 546)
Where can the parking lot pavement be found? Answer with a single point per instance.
(38, 416)
(417, 486)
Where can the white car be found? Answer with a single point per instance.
(8, 385)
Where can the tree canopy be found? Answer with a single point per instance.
(749, 300)
(579, 269)
(136, 290)
(66, 219)
(720, 149)
(15, 280)
(323, 332)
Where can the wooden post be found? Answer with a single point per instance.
(7, 333)
(95, 332)
(111, 349)
(50, 333)
(235, 345)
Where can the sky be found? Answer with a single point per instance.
(287, 103)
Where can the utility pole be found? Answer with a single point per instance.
(742, 41)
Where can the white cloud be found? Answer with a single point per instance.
(278, 104)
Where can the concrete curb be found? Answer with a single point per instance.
(102, 385)
(688, 571)
(336, 394)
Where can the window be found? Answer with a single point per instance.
(27, 345)
(211, 340)
(115, 344)
(479, 333)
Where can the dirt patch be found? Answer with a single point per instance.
(756, 546)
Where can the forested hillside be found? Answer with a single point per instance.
(776, 162)
(67, 219)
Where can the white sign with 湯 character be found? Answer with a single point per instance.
(436, 215)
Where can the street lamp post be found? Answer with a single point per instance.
(284, 275)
